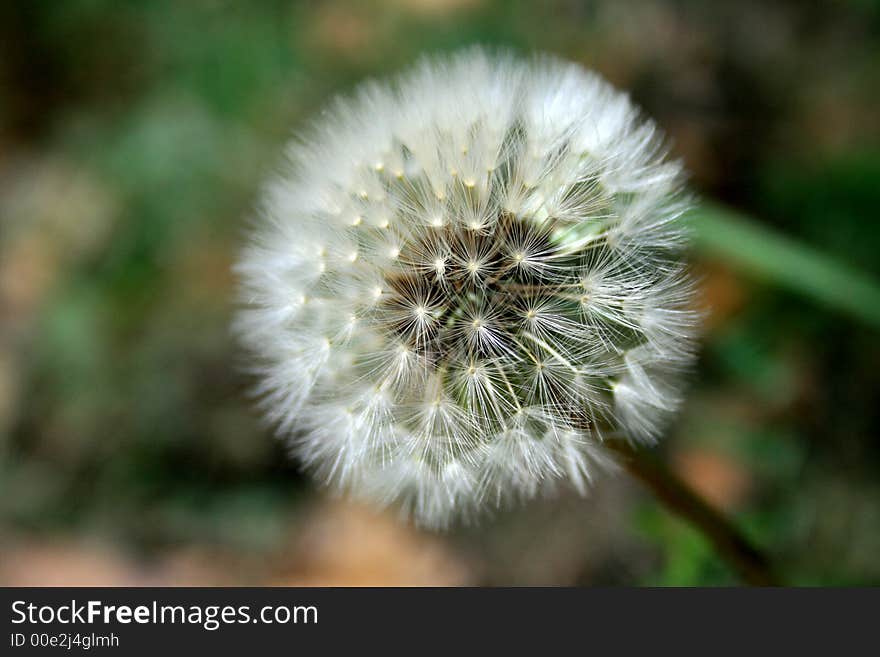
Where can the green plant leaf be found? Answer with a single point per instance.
(758, 250)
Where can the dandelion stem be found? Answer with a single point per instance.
(732, 546)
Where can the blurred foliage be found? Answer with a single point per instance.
(133, 138)
(721, 233)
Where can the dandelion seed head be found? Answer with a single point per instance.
(466, 279)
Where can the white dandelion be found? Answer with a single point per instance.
(466, 280)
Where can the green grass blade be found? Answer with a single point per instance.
(758, 250)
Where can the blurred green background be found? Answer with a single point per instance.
(133, 137)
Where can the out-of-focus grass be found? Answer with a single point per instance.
(754, 249)
(134, 138)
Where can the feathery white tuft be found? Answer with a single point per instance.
(466, 280)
